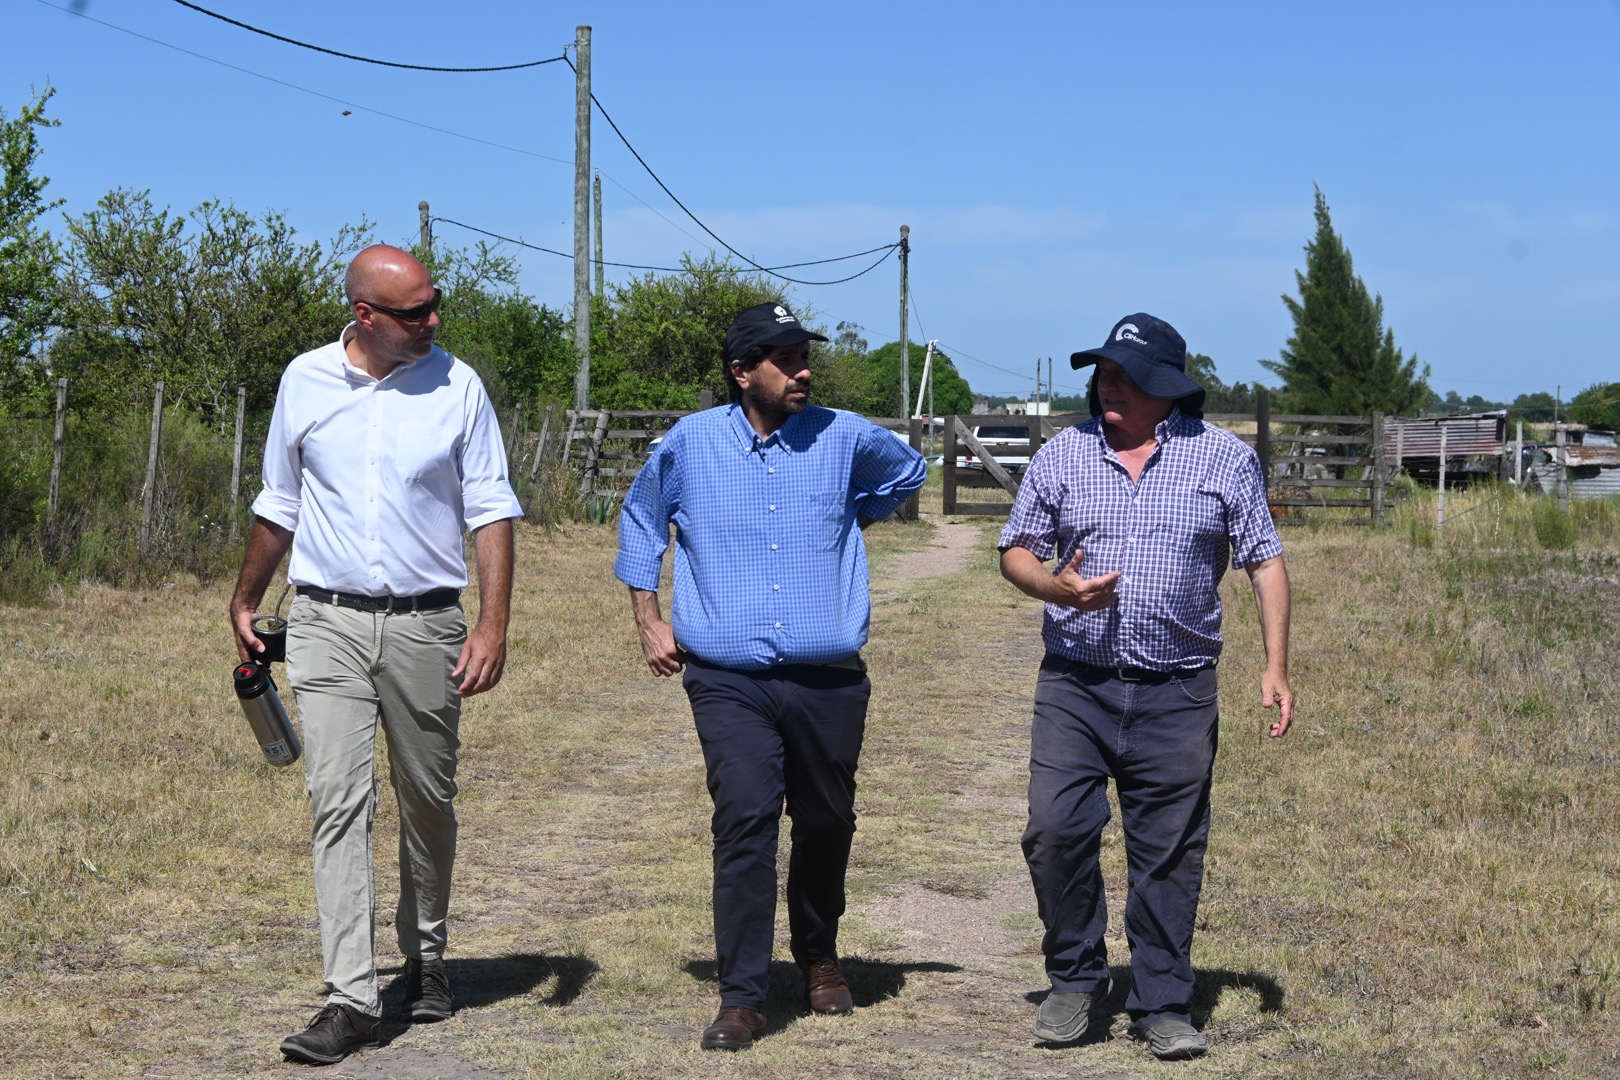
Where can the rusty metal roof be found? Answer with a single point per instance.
(1475, 433)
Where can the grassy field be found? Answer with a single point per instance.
(1421, 880)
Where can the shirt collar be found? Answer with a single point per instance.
(752, 440)
(361, 374)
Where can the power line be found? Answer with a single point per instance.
(362, 59)
(305, 89)
(886, 249)
(659, 181)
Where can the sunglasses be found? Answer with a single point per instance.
(419, 313)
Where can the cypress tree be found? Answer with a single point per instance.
(1341, 360)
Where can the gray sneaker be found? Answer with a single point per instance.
(1063, 1017)
(1171, 1039)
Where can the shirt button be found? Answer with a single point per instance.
(771, 469)
(773, 547)
(779, 626)
(776, 588)
(773, 508)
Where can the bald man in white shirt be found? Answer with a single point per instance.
(382, 448)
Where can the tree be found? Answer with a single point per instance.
(206, 302)
(1537, 408)
(1597, 406)
(1341, 359)
(28, 302)
(1219, 397)
(951, 391)
(657, 341)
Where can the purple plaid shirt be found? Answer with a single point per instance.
(1199, 497)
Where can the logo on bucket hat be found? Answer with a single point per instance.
(1153, 355)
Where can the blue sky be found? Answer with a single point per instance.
(1060, 164)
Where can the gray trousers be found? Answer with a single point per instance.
(348, 668)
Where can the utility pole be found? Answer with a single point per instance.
(905, 333)
(596, 198)
(427, 228)
(1049, 390)
(582, 217)
(1037, 401)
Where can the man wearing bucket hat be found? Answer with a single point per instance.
(770, 613)
(1142, 507)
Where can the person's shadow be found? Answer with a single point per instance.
(1208, 986)
(480, 980)
(870, 982)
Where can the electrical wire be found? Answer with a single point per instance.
(305, 89)
(673, 269)
(673, 197)
(362, 59)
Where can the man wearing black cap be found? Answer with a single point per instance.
(1142, 507)
(770, 613)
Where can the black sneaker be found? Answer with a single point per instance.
(427, 991)
(336, 1031)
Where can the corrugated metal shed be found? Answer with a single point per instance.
(1594, 471)
(1471, 435)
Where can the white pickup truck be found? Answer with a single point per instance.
(1009, 443)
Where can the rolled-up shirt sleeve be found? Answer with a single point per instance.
(486, 488)
(1249, 522)
(282, 496)
(644, 518)
(887, 471)
(1032, 523)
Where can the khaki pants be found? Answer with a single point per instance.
(348, 667)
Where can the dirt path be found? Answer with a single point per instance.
(946, 554)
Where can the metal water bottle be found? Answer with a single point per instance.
(266, 714)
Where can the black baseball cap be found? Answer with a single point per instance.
(765, 324)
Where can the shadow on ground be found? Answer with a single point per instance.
(1208, 985)
(870, 982)
(477, 981)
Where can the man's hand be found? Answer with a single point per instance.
(1066, 587)
(483, 659)
(483, 656)
(267, 543)
(1274, 690)
(1273, 597)
(664, 656)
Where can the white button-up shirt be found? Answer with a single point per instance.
(376, 477)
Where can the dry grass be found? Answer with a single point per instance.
(1420, 881)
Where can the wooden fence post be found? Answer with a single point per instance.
(236, 459)
(1562, 441)
(540, 444)
(1262, 434)
(587, 484)
(517, 428)
(912, 508)
(1440, 506)
(58, 450)
(1378, 470)
(149, 489)
(948, 464)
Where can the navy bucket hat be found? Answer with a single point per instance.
(1153, 356)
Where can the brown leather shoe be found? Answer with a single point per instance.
(733, 1029)
(825, 990)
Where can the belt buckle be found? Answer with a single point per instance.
(1128, 674)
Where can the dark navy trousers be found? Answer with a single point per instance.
(787, 735)
(1156, 740)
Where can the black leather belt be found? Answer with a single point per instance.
(428, 601)
(1146, 675)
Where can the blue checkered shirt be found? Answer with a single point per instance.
(770, 567)
(1200, 498)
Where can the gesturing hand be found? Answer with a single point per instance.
(1084, 594)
